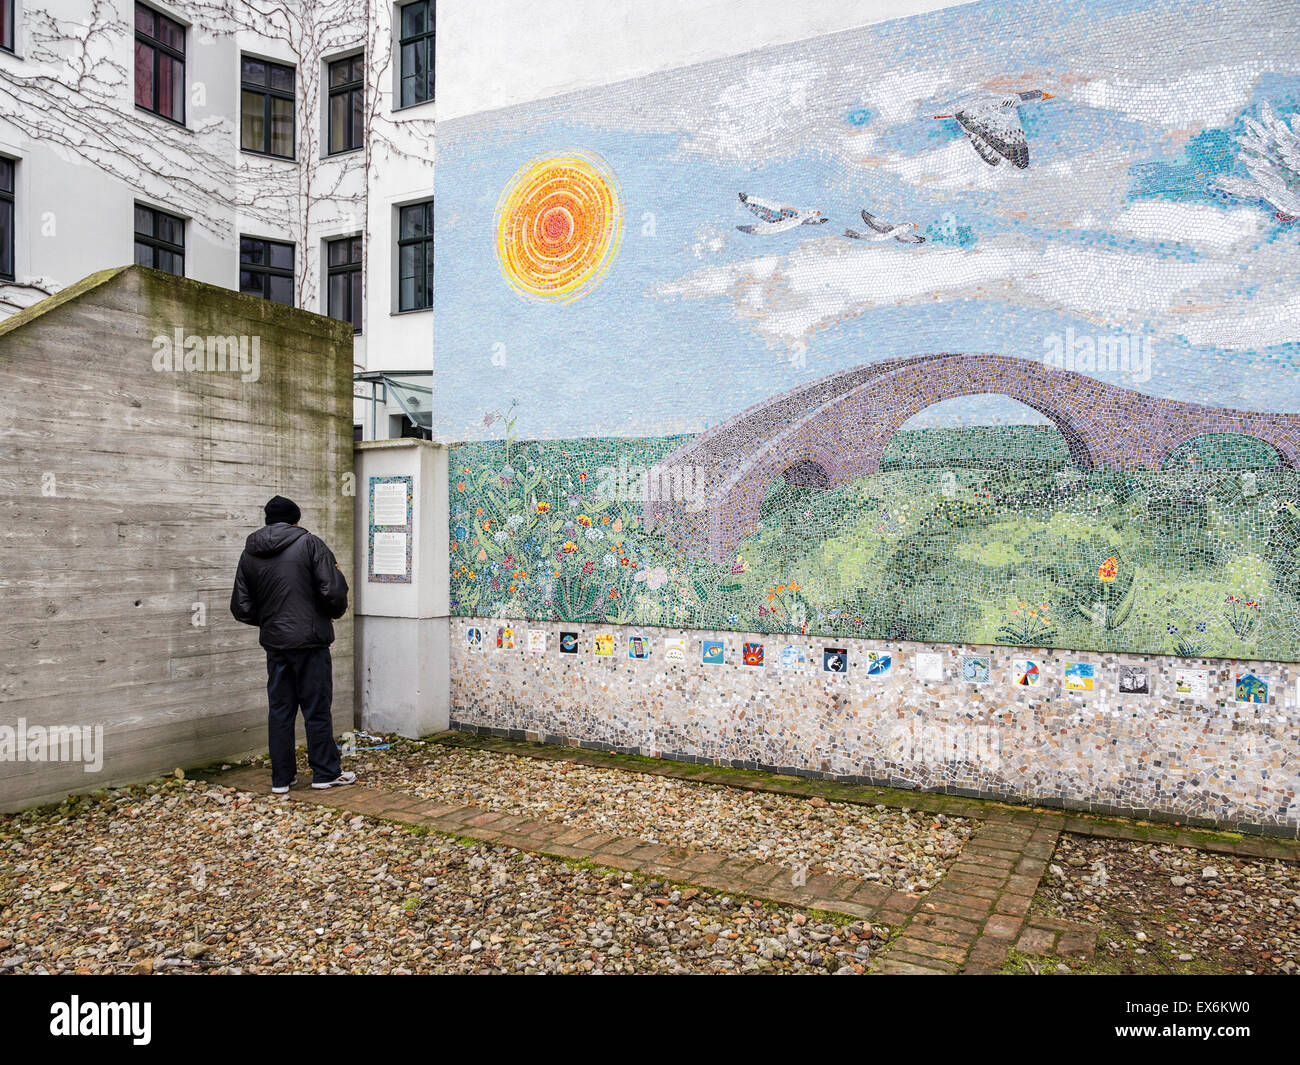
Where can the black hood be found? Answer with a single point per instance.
(272, 539)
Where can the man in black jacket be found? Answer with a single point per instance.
(290, 586)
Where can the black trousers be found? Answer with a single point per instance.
(301, 678)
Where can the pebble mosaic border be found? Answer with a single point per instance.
(1221, 764)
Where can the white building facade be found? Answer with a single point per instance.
(284, 151)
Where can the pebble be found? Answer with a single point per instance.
(364, 896)
(1162, 904)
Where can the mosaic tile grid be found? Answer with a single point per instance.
(1164, 754)
(1017, 392)
(968, 340)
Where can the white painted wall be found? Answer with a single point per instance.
(74, 208)
(402, 629)
(493, 53)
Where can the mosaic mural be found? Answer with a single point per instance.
(979, 327)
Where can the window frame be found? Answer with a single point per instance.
(428, 38)
(267, 271)
(426, 240)
(357, 318)
(152, 240)
(267, 93)
(158, 46)
(348, 89)
(9, 24)
(9, 202)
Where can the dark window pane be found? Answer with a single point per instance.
(338, 297)
(338, 252)
(251, 251)
(252, 128)
(144, 20)
(177, 110)
(413, 16)
(171, 33)
(281, 127)
(251, 283)
(282, 78)
(6, 175)
(254, 71)
(412, 221)
(7, 24)
(340, 73)
(171, 230)
(356, 300)
(281, 290)
(338, 118)
(356, 250)
(413, 60)
(6, 238)
(171, 87)
(143, 75)
(144, 221)
(143, 255)
(281, 256)
(358, 119)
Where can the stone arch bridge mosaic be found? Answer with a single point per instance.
(831, 431)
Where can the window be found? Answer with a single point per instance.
(159, 240)
(266, 269)
(159, 64)
(343, 269)
(347, 100)
(7, 219)
(266, 108)
(7, 25)
(415, 257)
(417, 53)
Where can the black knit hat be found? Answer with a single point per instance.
(280, 509)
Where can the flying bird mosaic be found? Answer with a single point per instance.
(880, 230)
(773, 218)
(992, 125)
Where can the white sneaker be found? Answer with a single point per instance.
(346, 777)
(284, 788)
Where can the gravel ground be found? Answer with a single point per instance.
(183, 876)
(1172, 909)
(903, 849)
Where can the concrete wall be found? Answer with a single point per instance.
(127, 493)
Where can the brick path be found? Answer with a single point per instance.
(967, 923)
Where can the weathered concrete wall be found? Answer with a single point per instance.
(126, 495)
